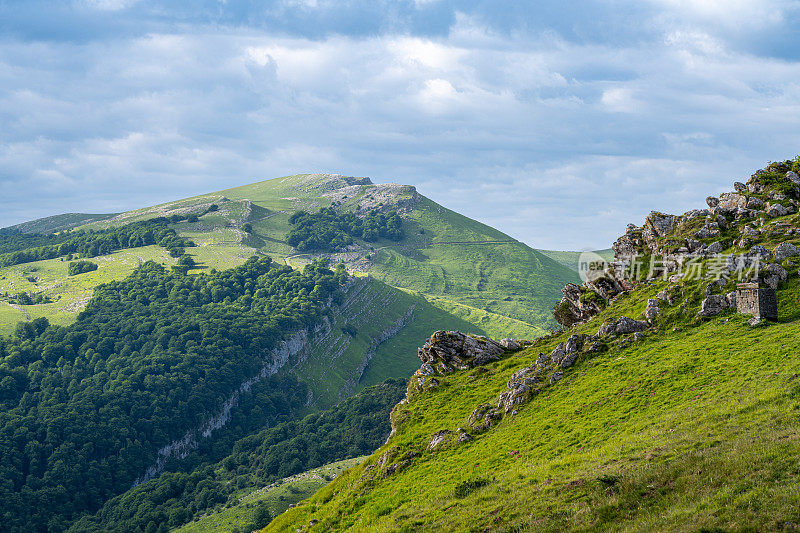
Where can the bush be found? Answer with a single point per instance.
(80, 267)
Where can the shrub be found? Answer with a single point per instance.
(80, 267)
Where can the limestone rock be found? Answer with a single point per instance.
(729, 202)
(557, 376)
(439, 439)
(760, 252)
(784, 250)
(731, 297)
(446, 351)
(657, 225)
(754, 203)
(713, 305)
(715, 247)
(793, 177)
(778, 210)
(558, 353)
(712, 201)
(652, 309)
(510, 344)
(739, 186)
(623, 326)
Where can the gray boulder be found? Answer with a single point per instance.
(778, 210)
(754, 203)
(793, 177)
(739, 186)
(623, 326)
(761, 252)
(652, 309)
(510, 344)
(712, 201)
(557, 355)
(715, 247)
(713, 305)
(447, 351)
(784, 250)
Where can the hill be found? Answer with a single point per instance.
(658, 408)
(149, 344)
(446, 271)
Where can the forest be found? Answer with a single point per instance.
(84, 408)
(18, 248)
(330, 231)
(356, 426)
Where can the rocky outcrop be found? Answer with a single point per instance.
(713, 305)
(447, 351)
(623, 326)
(785, 250)
(529, 381)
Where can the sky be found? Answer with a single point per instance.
(555, 122)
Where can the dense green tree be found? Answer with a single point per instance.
(84, 409)
(357, 426)
(329, 230)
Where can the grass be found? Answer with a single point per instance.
(692, 429)
(277, 497)
(71, 293)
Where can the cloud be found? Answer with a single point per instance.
(557, 133)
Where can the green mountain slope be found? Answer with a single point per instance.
(687, 421)
(570, 259)
(56, 223)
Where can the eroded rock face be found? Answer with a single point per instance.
(447, 351)
(657, 225)
(778, 210)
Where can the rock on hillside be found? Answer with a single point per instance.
(736, 222)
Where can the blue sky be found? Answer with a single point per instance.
(556, 122)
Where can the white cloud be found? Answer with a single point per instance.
(517, 129)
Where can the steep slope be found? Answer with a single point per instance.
(664, 411)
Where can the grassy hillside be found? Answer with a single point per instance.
(679, 431)
(691, 424)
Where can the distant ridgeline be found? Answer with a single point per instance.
(18, 248)
(86, 408)
(330, 231)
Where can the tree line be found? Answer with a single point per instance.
(21, 248)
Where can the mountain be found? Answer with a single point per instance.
(658, 407)
(144, 349)
(447, 271)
